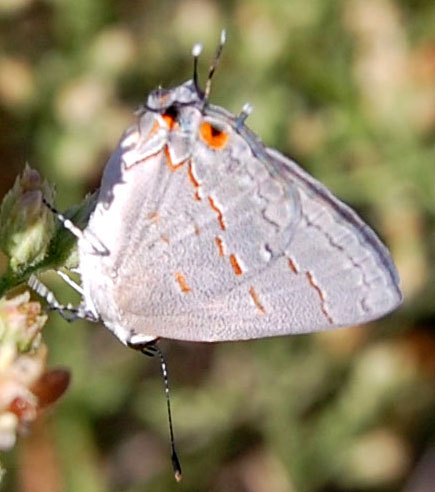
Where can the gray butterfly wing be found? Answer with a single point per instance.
(236, 244)
(346, 262)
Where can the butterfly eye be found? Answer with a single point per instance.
(213, 136)
(170, 116)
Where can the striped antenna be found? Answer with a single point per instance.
(214, 64)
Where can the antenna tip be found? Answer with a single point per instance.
(197, 49)
(223, 36)
(247, 108)
(176, 466)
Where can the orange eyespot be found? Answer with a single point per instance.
(170, 116)
(213, 136)
(170, 120)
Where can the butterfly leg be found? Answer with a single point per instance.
(96, 246)
(68, 312)
(67, 279)
(149, 348)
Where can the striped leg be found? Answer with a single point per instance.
(67, 279)
(95, 245)
(68, 312)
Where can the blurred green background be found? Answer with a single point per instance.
(347, 88)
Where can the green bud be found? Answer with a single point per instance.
(26, 224)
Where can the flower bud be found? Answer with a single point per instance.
(21, 322)
(26, 387)
(26, 224)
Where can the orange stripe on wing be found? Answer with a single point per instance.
(194, 181)
(182, 282)
(154, 129)
(220, 245)
(218, 211)
(256, 300)
(236, 265)
(154, 216)
(170, 164)
(292, 266)
(313, 284)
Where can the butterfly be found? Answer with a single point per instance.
(202, 233)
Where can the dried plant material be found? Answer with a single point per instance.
(26, 386)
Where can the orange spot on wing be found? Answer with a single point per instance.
(171, 165)
(154, 216)
(292, 266)
(235, 264)
(154, 129)
(321, 296)
(220, 245)
(169, 120)
(256, 300)
(193, 180)
(212, 136)
(165, 239)
(181, 279)
(218, 211)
